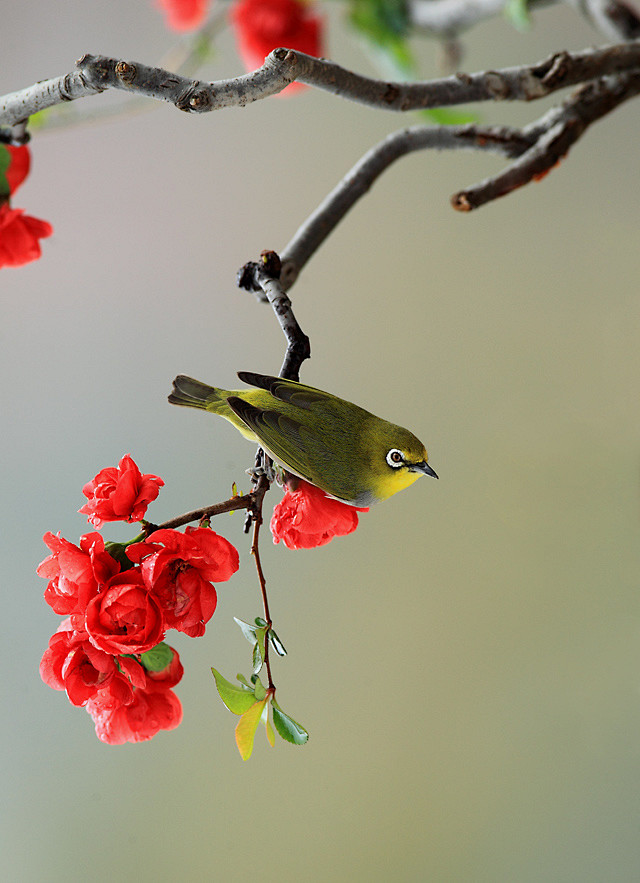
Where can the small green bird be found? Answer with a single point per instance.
(342, 449)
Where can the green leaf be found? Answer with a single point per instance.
(258, 659)
(277, 644)
(243, 680)
(288, 729)
(118, 552)
(246, 729)
(444, 116)
(259, 689)
(385, 25)
(158, 658)
(260, 622)
(237, 699)
(517, 13)
(5, 162)
(248, 630)
(271, 736)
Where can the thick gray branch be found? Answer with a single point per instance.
(525, 83)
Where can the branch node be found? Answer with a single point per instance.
(497, 85)
(126, 72)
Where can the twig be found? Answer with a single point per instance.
(264, 278)
(261, 489)
(246, 501)
(553, 136)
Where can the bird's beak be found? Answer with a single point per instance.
(424, 468)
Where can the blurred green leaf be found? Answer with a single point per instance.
(385, 25)
(444, 116)
(158, 658)
(288, 729)
(5, 162)
(517, 12)
(246, 728)
(243, 680)
(237, 699)
(260, 622)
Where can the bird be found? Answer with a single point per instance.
(342, 449)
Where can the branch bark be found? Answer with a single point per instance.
(95, 74)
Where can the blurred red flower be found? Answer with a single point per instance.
(19, 235)
(263, 25)
(306, 517)
(19, 165)
(119, 493)
(184, 15)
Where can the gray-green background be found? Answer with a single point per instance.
(468, 663)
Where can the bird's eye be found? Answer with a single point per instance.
(395, 458)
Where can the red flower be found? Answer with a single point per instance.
(124, 617)
(184, 15)
(178, 569)
(167, 677)
(73, 664)
(119, 493)
(75, 573)
(18, 169)
(146, 715)
(19, 235)
(306, 517)
(264, 25)
(154, 707)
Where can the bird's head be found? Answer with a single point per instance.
(399, 459)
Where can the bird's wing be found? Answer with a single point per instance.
(287, 390)
(284, 438)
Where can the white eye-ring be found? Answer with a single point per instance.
(395, 458)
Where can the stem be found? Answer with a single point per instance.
(261, 489)
(246, 501)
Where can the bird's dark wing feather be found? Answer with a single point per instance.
(287, 390)
(283, 437)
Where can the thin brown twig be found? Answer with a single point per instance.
(262, 488)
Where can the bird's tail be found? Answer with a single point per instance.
(193, 394)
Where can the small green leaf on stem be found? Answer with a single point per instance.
(157, 658)
(248, 630)
(237, 699)
(259, 688)
(258, 659)
(246, 728)
(271, 736)
(277, 644)
(288, 729)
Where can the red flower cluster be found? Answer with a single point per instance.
(264, 25)
(108, 655)
(306, 517)
(19, 233)
(184, 15)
